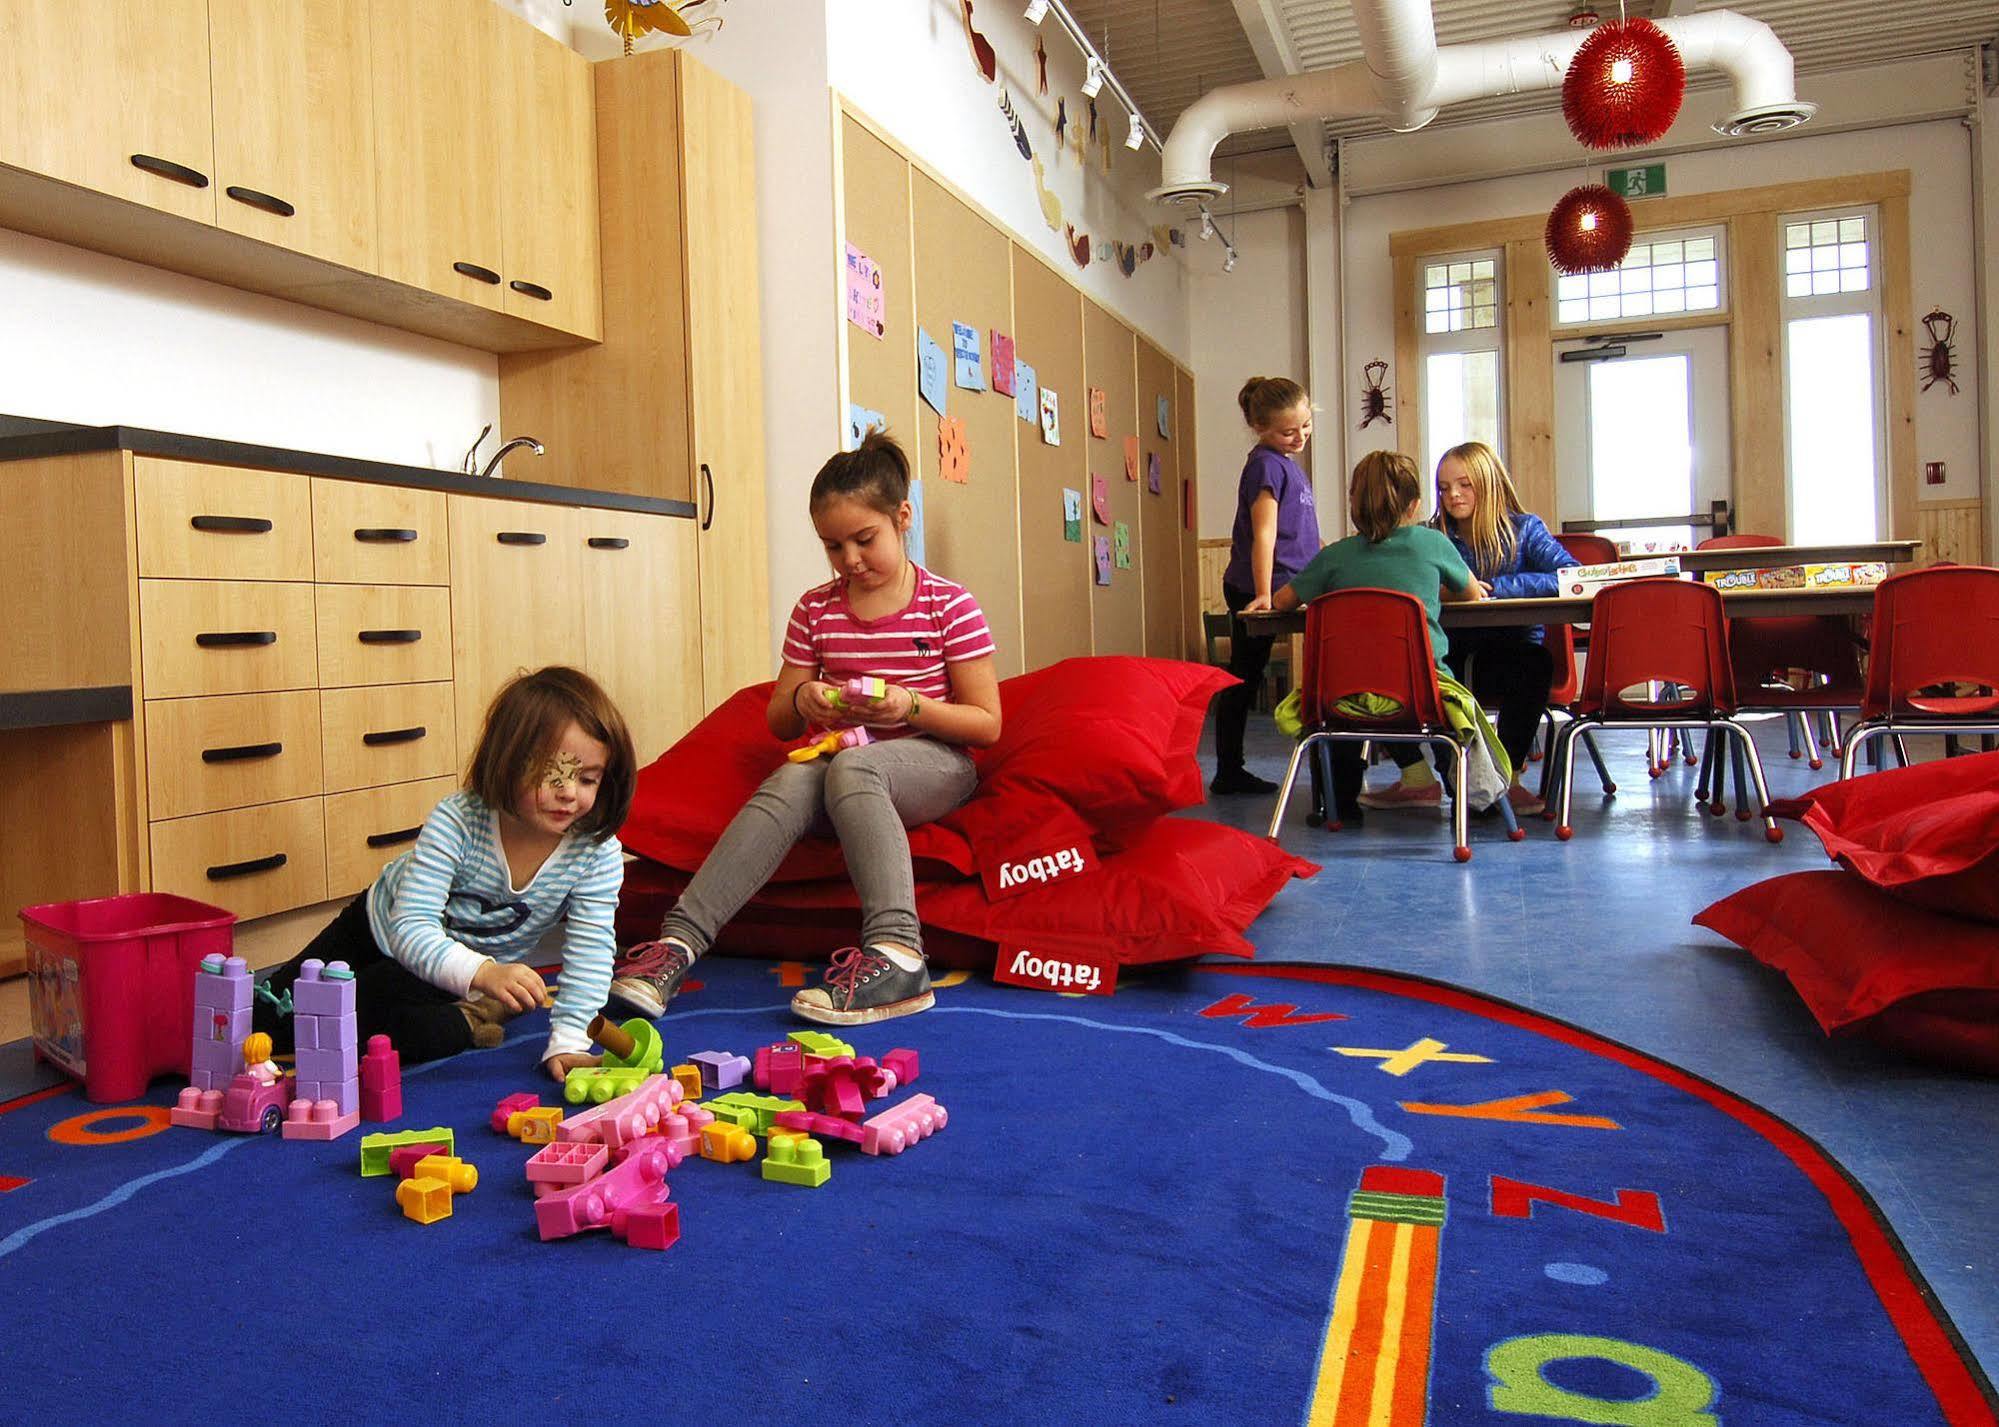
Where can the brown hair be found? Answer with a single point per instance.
(1489, 532)
(1385, 484)
(524, 723)
(1264, 399)
(876, 473)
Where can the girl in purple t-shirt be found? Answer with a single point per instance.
(1276, 532)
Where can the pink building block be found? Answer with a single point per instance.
(812, 1123)
(403, 1159)
(561, 1166)
(841, 1085)
(381, 1081)
(895, 1130)
(318, 1120)
(626, 1118)
(675, 1131)
(779, 1067)
(719, 1069)
(903, 1061)
(197, 1109)
(511, 1104)
(638, 1182)
(649, 1226)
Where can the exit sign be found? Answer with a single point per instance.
(1642, 181)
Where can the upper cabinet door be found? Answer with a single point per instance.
(294, 125)
(437, 192)
(548, 167)
(116, 102)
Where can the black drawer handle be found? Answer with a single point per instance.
(393, 735)
(274, 206)
(391, 636)
(247, 869)
(236, 639)
(474, 271)
(521, 537)
(532, 289)
(608, 542)
(167, 168)
(383, 535)
(390, 839)
(241, 753)
(708, 480)
(231, 524)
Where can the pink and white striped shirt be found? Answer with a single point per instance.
(941, 625)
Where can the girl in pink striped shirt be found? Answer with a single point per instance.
(882, 616)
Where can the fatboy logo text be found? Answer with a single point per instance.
(1019, 966)
(1010, 878)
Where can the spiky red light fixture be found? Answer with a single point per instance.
(1624, 85)
(1589, 230)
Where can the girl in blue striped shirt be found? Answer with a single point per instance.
(439, 945)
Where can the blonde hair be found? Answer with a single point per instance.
(1491, 535)
(1264, 399)
(1384, 485)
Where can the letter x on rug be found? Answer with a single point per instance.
(1254, 1195)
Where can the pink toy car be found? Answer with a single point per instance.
(253, 1105)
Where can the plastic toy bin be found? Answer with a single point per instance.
(111, 985)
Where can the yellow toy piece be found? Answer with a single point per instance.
(726, 1143)
(449, 1170)
(536, 1126)
(689, 1077)
(424, 1200)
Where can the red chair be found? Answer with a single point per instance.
(1561, 643)
(1589, 549)
(1932, 628)
(1367, 641)
(1653, 634)
(1739, 542)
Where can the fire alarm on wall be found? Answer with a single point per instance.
(1933, 473)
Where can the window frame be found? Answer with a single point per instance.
(1702, 316)
(1467, 339)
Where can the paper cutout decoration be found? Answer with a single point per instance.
(1165, 419)
(1152, 471)
(866, 304)
(968, 365)
(860, 421)
(1012, 117)
(1079, 246)
(1002, 363)
(1072, 515)
(1051, 417)
(1051, 206)
(1100, 498)
(983, 58)
(1103, 558)
(1040, 65)
(1026, 396)
(1131, 458)
(931, 381)
(1099, 427)
(912, 543)
(1121, 544)
(954, 454)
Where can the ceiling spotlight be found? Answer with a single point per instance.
(1228, 262)
(1035, 10)
(1207, 225)
(1137, 135)
(1093, 79)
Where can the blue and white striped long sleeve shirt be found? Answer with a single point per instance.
(449, 903)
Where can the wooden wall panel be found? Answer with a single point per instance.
(1158, 534)
(1188, 518)
(1951, 530)
(1530, 378)
(971, 531)
(881, 372)
(1110, 356)
(1055, 573)
(1756, 376)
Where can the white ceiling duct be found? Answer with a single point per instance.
(1406, 77)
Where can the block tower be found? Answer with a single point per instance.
(324, 1036)
(221, 1021)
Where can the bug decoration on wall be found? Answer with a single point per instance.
(1061, 123)
(1013, 123)
(1940, 357)
(1373, 395)
(631, 19)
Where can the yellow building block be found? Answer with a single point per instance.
(456, 1175)
(726, 1143)
(424, 1200)
(689, 1077)
(536, 1126)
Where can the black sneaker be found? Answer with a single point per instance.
(862, 986)
(650, 974)
(1240, 780)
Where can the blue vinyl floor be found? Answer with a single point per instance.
(1597, 931)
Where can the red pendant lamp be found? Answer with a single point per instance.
(1589, 230)
(1624, 85)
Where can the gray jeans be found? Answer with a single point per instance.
(867, 796)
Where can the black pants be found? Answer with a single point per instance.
(1510, 671)
(1249, 656)
(389, 999)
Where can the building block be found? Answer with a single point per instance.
(424, 1200)
(323, 989)
(634, 1184)
(821, 1043)
(648, 1226)
(727, 1144)
(719, 1069)
(381, 1081)
(895, 1130)
(797, 1159)
(635, 1045)
(903, 1063)
(538, 1126)
(222, 998)
(376, 1148)
(626, 1118)
(560, 1165)
(778, 1067)
(723, 1111)
(840, 1085)
(688, 1078)
(196, 1108)
(510, 1105)
(404, 1159)
(318, 1120)
(675, 1130)
(600, 1083)
(460, 1177)
(811, 1122)
(761, 1107)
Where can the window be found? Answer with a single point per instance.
(1461, 295)
(1460, 356)
(1664, 275)
(1832, 388)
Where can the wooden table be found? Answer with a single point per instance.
(1764, 557)
(1563, 609)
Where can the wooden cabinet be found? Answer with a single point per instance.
(548, 182)
(366, 534)
(638, 583)
(254, 861)
(366, 829)
(202, 522)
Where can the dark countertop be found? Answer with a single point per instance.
(53, 708)
(75, 440)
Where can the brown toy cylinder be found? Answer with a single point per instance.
(612, 1038)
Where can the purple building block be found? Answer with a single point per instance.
(324, 1032)
(719, 1069)
(222, 994)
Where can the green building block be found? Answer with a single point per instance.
(801, 1161)
(601, 1083)
(375, 1148)
(821, 1043)
(733, 1106)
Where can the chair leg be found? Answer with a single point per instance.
(1771, 831)
(1792, 724)
(1290, 776)
(1737, 757)
(1602, 773)
(1460, 804)
(1707, 767)
(1860, 736)
(1576, 730)
(1814, 759)
(1713, 788)
(1901, 752)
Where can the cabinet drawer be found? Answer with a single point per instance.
(391, 734)
(225, 637)
(200, 522)
(364, 830)
(254, 861)
(203, 755)
(366, 534)
(383, 634)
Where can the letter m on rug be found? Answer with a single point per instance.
(1515, 1199)
(1259, 1017)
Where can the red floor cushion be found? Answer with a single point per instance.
(1927, 834)
(1865, 963)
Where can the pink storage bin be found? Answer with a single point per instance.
(111, 985)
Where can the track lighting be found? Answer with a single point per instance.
(1137, 134)
(1036, 9)
(1228, 262)
(1093, 79)
(1207, 225)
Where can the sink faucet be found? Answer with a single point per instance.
(493, 464)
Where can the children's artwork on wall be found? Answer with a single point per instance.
(1103, 558)
(967, 362)
(1131, 458)
(1072, 515)
(1079, 246)
(1165, 420)
(1026, 396)
(1051, 417)
(983, 58)
(1121, 544)
(1051, 206)
(913, 542)
(1127, 257)
(1002, 363)
(1061, 123)
(1014, 126)
(1152, 471)
(1373, 395)
(1100, 498)
(860, 421)
(954, 453)
(1076, 141)
(1099, 427)
(931, 381)
(866, 305)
